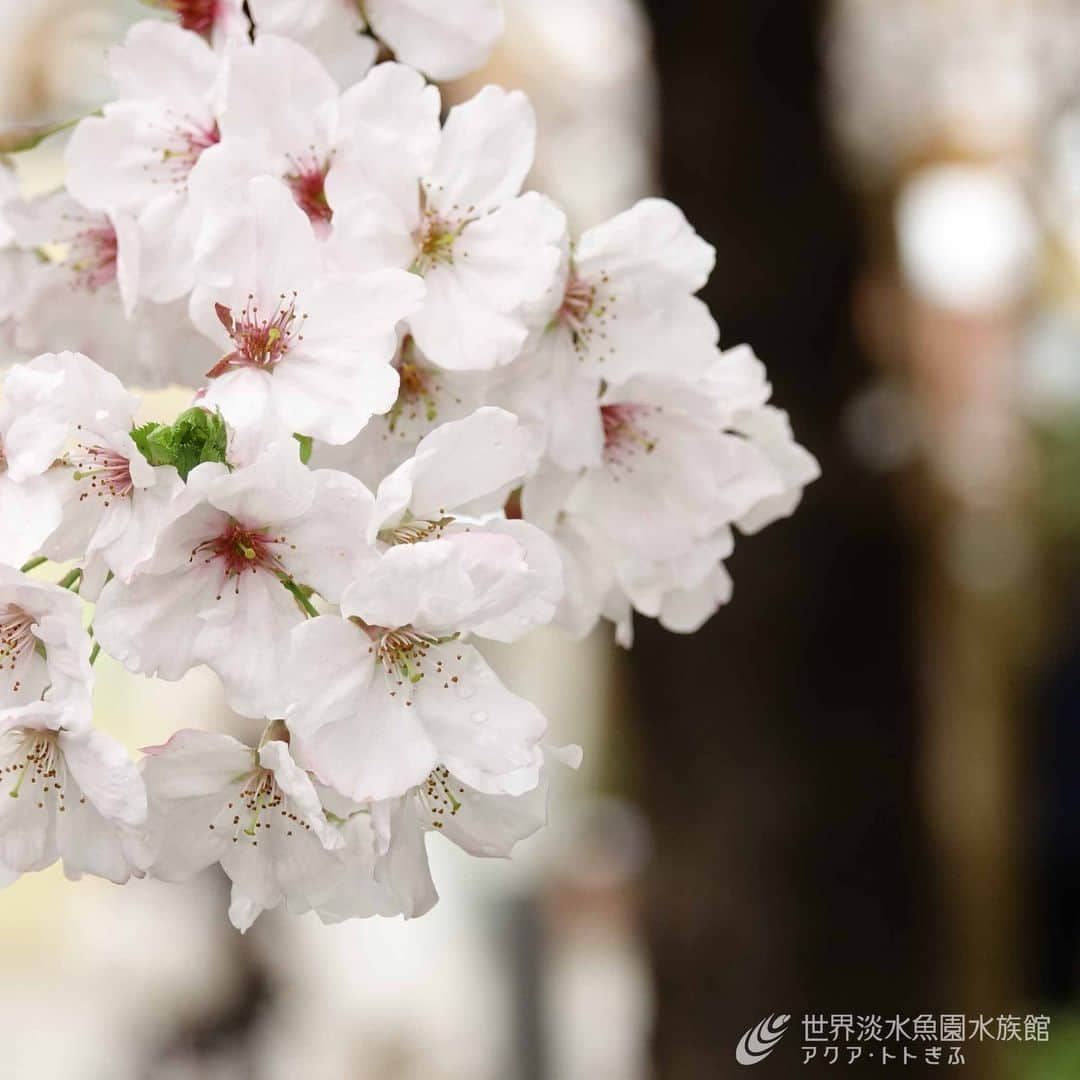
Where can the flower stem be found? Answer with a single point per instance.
(301, 596)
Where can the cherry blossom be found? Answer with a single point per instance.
(229, 574)
(379, 697)
(443, 41)
(137, 157)
(303, 350)
(218, 21)
(484, 825)
(30, 506)
(681, 461)
(75, 425)
(330, 30)
(74, 795)
(99, 251)
(628, 308)
(214, 800)
(44, 651)
(294, 141)
(490, 256)
(421, 418)
(463, 468)
(428, 397)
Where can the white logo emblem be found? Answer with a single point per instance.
(760, 1041)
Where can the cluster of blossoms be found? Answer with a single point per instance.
(425, 417)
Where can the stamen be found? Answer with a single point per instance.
(625, 434)
(17, 642)
(260, 342)
(416, 393)
(437, 795)
(585, 311)
(109, 472)
(92, 257)
(402, 652)
(38, 758)
(186, 139)
(415, 532)
(241, 550)
(262, 805)
(437, 235)
(577, 303)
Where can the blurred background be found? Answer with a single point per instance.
(858, 790)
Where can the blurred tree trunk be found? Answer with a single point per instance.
(779, 765)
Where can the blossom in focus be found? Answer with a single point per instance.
(73, 794)
(214, 800)
(484, 825)
(75, 426)
(463, 468)
(452, 211)
(231, 570)
(44, 651)
(682, 461)
(428, 397)
(377, 698)
(304, 350)
(138, 156)
(628, 308)
(423, 418)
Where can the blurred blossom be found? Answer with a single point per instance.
(587, 67)
(605, 847)
(987, 552)
(883, 425)
(429, 999)
(1061, 182)
(601, 1004)
(52, 56)
(979, 76)
(967, 238)
(983, 458)
(1050, 373)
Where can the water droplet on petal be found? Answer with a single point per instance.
(479, 717)
(465, 691)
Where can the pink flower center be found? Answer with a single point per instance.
(307, 181)
(109, 473)
(197, 15)
(577, 303)
(261, 341)
(239, 550)
(17, 642)
(626, 434)
(93, 256)
(187, 140)
(585, 309)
